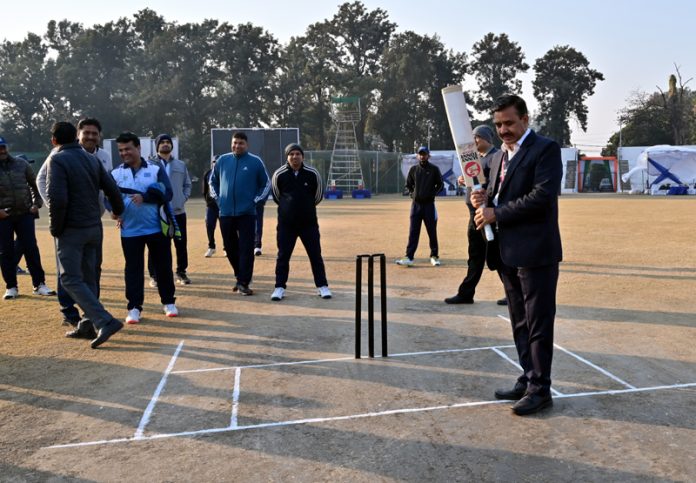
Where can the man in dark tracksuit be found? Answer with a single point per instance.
(74, 181)
(483, 138)
(424, 182)
(212, 212)
(297, 189)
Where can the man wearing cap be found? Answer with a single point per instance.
(75, 180)
(181, 191)
(483, 137)
(19, 205)
(424, 182)
(238, 182)
(144, 187)
(297, 189)
(212, 212)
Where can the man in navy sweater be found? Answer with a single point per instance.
(297, 190)
(239, 181)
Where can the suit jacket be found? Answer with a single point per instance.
(527, 212)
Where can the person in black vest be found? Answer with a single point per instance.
(297, 189)
(521, 201)
(424, 182)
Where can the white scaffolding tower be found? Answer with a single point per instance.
(345, 172)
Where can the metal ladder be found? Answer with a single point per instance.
(345, 172)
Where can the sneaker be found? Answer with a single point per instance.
(244, 289)
(324, 292)
(21, 271)
(407, 262)
(170, 310)
(257, 252)
(153, 283)
(435, 261)
(11, 293)
(278, 294)
(182, 279)
(133, 316)
(210, 252)
(42, 289)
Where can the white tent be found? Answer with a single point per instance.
(666, 166)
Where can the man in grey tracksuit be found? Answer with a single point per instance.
(181, 189)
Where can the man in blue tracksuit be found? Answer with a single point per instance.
(140, 226)
(238, 182)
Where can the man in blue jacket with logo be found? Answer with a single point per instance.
(239, 181)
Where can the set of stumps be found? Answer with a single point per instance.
(359, 262)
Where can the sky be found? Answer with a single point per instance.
(635, 44)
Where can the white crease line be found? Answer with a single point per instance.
(359, 416)
(148, 411)
(338, 359)
(596, 367)
(235, 398)
(505, 356)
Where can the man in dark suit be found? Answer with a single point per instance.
(522, 201)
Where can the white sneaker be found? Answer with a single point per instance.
(257, 252)
(11, 293)
(324, 292)
(170, 310)
(210, 253)
(133, 316)
(407, 262)
(153, 283)
(435, 261)
(278, 294)
(42, 289)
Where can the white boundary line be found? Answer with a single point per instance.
(585, 361)
(235, 398)
(148, 411)
(359, 416)
(339, 359)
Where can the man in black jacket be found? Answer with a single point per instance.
(74, 180)
(297, 189)
(212, 212)
(424, 182)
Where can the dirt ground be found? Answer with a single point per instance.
(142, 408)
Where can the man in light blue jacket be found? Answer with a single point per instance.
(238, 182)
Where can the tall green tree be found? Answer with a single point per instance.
(496, 63)
(409, 106)
(27, 93)
(563, 82)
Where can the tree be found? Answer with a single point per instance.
(563, 82)
(678, 103)
(409, 106)
(496, 63)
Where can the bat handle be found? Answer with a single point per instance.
(486, 229)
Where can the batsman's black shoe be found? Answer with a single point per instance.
(532, 403)
(458, 299)
(514, 394)
(105, 332)
(502, 301)
(83, 330)
(244, 289)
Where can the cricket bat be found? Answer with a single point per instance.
(463, 135)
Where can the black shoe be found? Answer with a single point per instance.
(458, 299)
(513, 394)
(83, 330)
(244, 289)
(502, 301)
(532, 403)
(182, 279)
(105, 332)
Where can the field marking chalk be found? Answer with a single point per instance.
(359, 416)
(505, 356)
(160, 387)
(596, 367)
(235, 398)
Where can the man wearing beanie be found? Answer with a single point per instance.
(238, 182)
(181, 190)
(424, 182)
(483, 137)
(297, 189)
